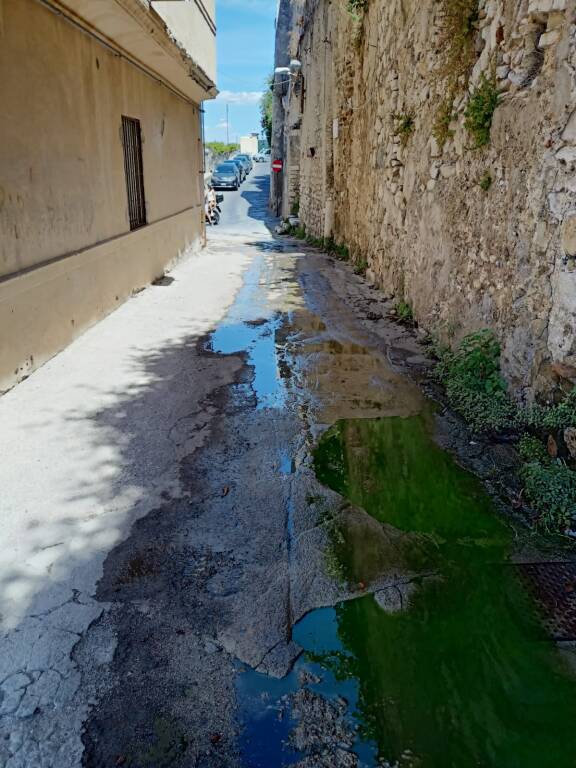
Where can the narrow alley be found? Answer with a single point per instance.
(231, 538)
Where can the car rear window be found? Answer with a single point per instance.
(225, 167)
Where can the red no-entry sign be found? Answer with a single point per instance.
(277, 165)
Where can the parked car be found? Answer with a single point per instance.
(240, 165)
(226, 176)
(262, 157)
(247, 160)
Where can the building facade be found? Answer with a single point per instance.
(101, 160)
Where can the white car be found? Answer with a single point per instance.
(263, 157)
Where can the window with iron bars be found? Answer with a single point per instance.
(134, 171)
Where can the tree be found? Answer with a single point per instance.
(220, 148)
(266, 110)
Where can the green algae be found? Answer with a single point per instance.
(462, 677)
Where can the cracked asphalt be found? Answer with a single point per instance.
(158, 534)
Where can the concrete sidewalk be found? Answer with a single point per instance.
(89, 443)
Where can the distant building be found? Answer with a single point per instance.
(101, 160)
(249, 144)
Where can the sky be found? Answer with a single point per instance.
(245, 44)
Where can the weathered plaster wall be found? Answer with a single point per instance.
(62, 185)
(463, 257)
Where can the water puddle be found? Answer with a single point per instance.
(460, 677)
(444, 671)
(252, 326)
(439, 664)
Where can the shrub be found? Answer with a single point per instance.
(360, 267)
(559, 416)
(479, 111)
(532, 449)
(484, 412)
(299, 232)
(474, 385)
(550, 487)
(295, 207)
(404, 126)
(476, 363)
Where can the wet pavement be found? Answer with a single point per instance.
(359, 599)
(325, 585)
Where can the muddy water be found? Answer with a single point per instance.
(443, 668)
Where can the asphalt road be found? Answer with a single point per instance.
(246, 209)
(158, 540)
(168, 552)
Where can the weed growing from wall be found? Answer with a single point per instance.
(315, 242)
(355, 7)
(404, 126)
(480, 110)
(458, 29)
(444, 116)
(404, 313)
(298, 232)
(485, 182)
(457, 43)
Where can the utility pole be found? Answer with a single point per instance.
(227, 126)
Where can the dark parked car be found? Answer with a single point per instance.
(226, 176)
(247, 160)
(240, 165)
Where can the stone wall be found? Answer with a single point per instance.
(463, 256)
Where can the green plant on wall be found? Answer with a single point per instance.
(458, 28)
(457, 31)
(404, 313)
(444, 116)
(480, 110)
(485, 181)
(357, 6)
(404, 126)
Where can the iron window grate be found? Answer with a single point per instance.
(134, 170)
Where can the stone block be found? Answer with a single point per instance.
(435, 149)
(569, 235)
(566, 154)
(549, 38)
(569, 132)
